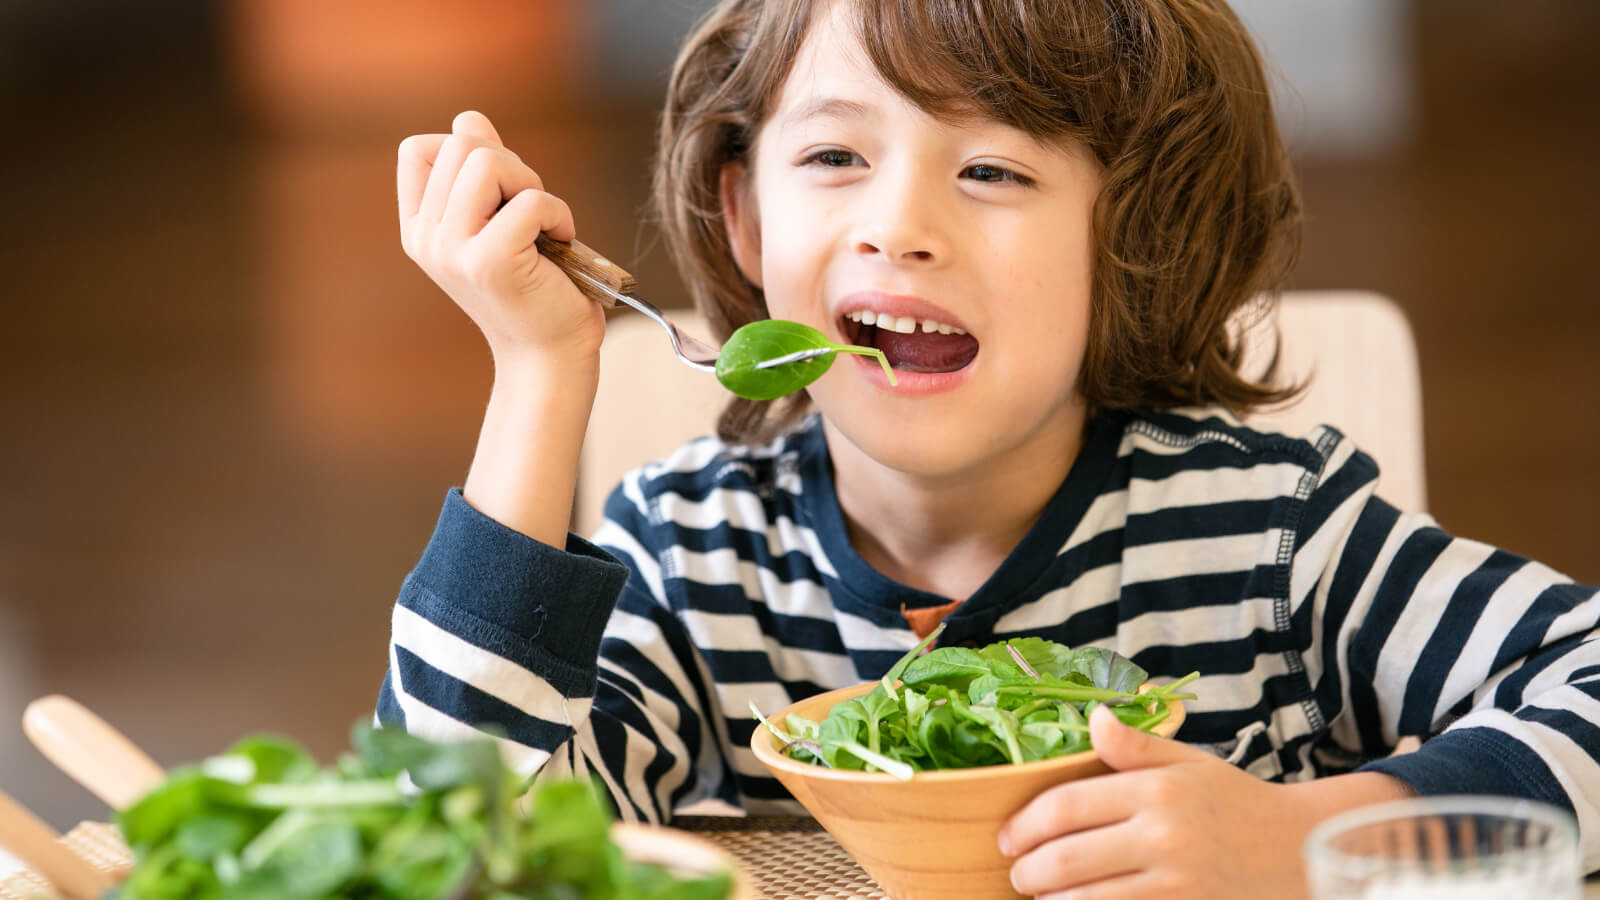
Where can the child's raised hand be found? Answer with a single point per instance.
(1170, 821)
(470, 211)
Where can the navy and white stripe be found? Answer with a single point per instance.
(1326, 623)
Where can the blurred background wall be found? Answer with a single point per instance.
(232, 406)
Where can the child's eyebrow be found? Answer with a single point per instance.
(828, 107)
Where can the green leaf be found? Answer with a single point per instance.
(206, 837)
(878, 708)
(1048, 658)
(770, 339)
(275, 758)
(166, 873)
(954, 667)
(1108, 669)
(1020, 689)
(423, 864)
(846, 724)
(188, 793)
(936, 736)
(568, 840)
(999, 721)
(431, 765)
(315, 860)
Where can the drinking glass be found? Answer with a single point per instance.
(1446, 848)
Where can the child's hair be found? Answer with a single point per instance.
(1198, 214)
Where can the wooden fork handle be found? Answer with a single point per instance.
(93, 753)
(577, 259)
(29, 839)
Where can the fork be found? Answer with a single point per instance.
(603, 280)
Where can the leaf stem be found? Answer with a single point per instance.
(313, 795)
(868, 351)
(776, 731)
(1016, 655)
(812, 747)
(893, 675)
(1077, 693)
(895, 767)
(1061, 726)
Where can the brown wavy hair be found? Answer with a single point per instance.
(1198, 216)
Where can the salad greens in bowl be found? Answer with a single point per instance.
(402, 818)
(915, 773)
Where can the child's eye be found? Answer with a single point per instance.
(833, 158)
(995, 175)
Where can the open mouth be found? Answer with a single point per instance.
(909, 344)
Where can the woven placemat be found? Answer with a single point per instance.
(98, 843)
(791, 857)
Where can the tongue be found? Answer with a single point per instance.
(925, 351)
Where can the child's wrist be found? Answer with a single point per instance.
(1330, 796)
(523, 369)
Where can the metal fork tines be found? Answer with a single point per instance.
(604, 281)
(693, 351)
(608, 283)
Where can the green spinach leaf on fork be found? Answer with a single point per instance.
(739, 364)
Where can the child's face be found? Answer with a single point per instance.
(861, 202)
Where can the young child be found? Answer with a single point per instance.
(1045, 212)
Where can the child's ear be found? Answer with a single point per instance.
(741, 218)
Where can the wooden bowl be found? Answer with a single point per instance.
(933, 837)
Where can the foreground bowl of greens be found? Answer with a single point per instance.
(981, 737)
(400, 818)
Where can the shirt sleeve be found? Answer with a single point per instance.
(564, 655)
(1490, 657)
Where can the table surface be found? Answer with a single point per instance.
(791, 858)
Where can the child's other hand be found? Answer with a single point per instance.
(470, 211)
(1170, 821)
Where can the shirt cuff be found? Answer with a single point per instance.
(1475, 760)
(557, 600)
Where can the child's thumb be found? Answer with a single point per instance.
(1123, 747)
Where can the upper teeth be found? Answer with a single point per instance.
(902, 324)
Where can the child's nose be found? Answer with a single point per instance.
(890, 249)
(901, 226)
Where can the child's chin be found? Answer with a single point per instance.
(924, 449)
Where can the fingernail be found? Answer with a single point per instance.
(1005, 844)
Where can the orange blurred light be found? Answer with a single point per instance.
(352, 65)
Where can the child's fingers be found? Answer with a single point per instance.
(519, 223)
(412, 169)
(488, 177)
(475, 124)
(446, 166)
(1067, 808)
(1080, 859)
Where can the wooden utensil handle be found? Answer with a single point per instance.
(29, 839)
(86, 747)
(577, 257)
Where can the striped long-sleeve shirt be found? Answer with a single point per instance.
(1326, 624)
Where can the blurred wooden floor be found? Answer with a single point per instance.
(232, 406)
